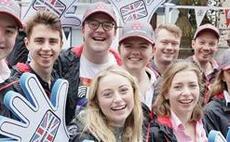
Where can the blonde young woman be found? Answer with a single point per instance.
(178, 105)
(113, 111)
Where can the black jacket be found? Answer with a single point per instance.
(19, 54)
(76, 129)
(161, 130)
(12, 83)
(217, 115)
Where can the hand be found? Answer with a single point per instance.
(40, 119)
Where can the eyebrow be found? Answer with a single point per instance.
(123, 85)
(12, 27)
(103, 21)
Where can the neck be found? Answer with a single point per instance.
(139, 74)
(203, 65)
(44, 74)
(118, 132)
(96, 57)
(143, 80)
(160, 66)
(184, 117)
(116, 125)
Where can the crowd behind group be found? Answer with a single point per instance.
(139, 92)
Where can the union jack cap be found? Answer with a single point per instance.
(99, 7)
(137, 29)
(11, 8)
(205, 27)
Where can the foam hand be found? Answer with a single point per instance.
(40, 119)
(138, 10)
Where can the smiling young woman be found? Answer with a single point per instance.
(114, 110)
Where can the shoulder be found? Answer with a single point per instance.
(84, 137)
(68, 59)
(116, 56)
(161, 129)
(78, 131)
(12, 83)
(215, 105)
(74, 51)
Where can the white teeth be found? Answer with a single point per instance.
(99, 38)
(134, 59)
(168, 54)
(45, 56)
(118, 108)
(186, 101)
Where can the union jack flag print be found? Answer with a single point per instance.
(47, 129)
(55, 6)
(134, 11)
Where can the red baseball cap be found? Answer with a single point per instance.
(137, 29)
(207, 27)
(11, 8)
(99, 7)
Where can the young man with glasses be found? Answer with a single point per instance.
(80, 64)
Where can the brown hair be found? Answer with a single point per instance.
(218, 85)
(44, 17)
(161, 105)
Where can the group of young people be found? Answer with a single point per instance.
(139, 92)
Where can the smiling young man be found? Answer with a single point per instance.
(44, 42)
(167, 46)
(205, 45)
(80, 64)
(9, 26)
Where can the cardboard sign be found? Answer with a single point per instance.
(40, 119)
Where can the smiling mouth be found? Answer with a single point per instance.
(98, 38)
(188, 101)
(134, 59)
(45, 55)
(119, 108)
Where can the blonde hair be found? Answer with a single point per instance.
(161, 105)
(171, 28)
(96, 121)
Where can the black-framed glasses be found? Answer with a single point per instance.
(94, 24)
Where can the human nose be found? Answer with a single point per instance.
(46, 46)
(100, 27)
(206, 47)
(117, 97)
(135, 50)
(186, 91)
(169, 46)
